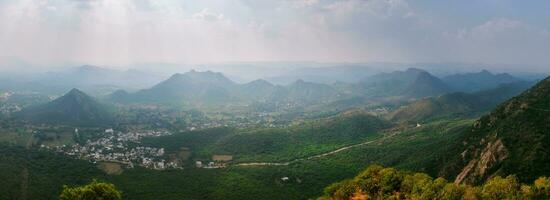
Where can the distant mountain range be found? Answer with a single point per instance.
(92, 79)
(410, 83)
(207, 88)
(326, 75)
(213, 88)
(73, 108)
(458, 104)
(471, 82)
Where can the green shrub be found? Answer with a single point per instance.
(93, 191)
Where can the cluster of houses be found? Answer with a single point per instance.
(5, 95)
(238, 121)
(8, 108)
(114, 147)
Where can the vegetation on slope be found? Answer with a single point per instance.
(406, 148)
(92, 191)
(33, 174)
(277, 144)
(377, 182)
(512, 139)
(458, 104)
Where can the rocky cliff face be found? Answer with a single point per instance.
(492, 155)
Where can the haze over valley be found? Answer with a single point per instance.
(294, 99)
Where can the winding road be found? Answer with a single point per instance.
(307, 158)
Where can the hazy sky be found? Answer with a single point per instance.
(119, 32)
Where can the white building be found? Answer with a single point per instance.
(198, 164)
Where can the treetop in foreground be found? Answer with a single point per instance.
(93, 191)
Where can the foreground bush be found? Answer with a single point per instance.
(377, 182)
(93, 191)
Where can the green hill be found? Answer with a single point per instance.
(483, 80)
(191, 87)
(513, 139)
(73, 108)
(412, 83)
(259, 89)
(425, 85)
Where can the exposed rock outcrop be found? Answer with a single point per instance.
(492, 155)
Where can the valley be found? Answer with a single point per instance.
(270, 143)
(274, 100)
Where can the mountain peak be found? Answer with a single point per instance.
(426, 84)
(207, 77)
(76, 94)
(75, 98)
(415, 70)
(75, 107)
(207, 72)
(424, 74)
(260, 82)
(88, 68)
(176, 76)
(484, 71)
(190, 86)
(75, 91)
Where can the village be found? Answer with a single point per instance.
(115, 147)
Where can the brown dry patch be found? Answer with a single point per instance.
(111, 168)
(223, 158)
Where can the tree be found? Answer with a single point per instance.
(501, 188)
(93, 191)
(377, 182)
(542, 188)
(451, 191)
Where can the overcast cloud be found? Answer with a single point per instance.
(121, 32)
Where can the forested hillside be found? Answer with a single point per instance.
(512, 139)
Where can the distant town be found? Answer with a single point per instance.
(115, 147)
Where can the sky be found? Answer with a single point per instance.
(123, 32)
